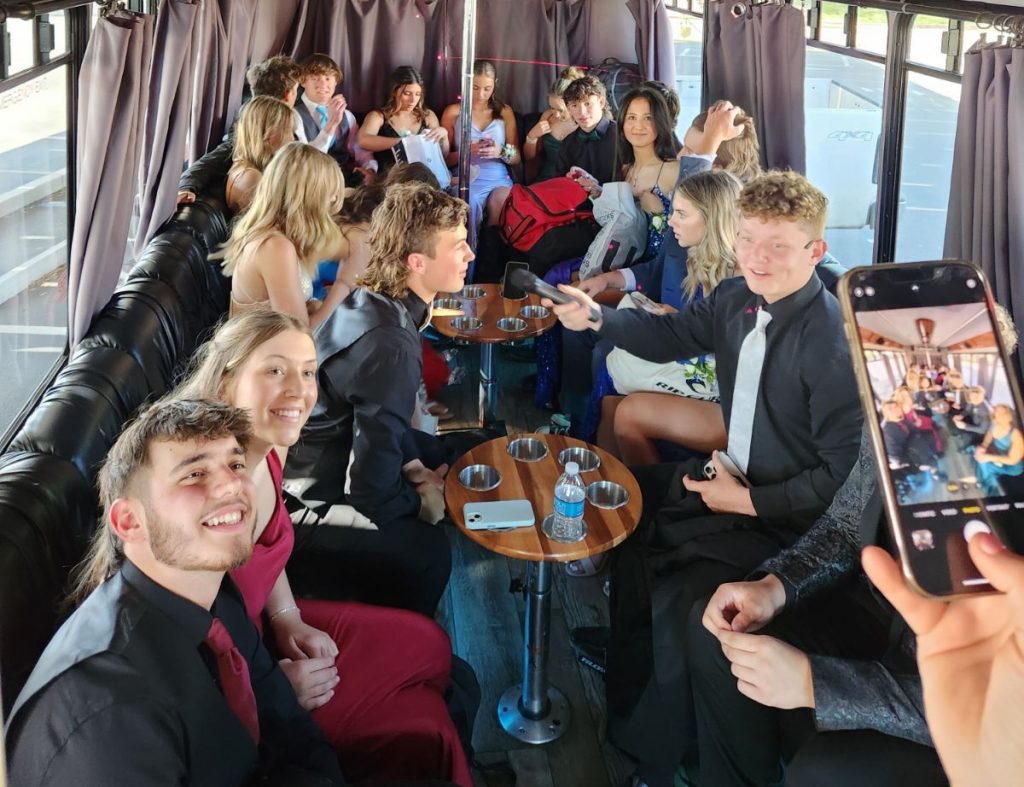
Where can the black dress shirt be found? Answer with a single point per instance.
(371, 363)
(807, 419)
(127, 693)
(593, 151)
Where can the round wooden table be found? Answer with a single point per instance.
(489, 308)
(533, 711)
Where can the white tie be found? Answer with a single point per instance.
(744, 395)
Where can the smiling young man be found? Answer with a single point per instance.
(360, 434)
(324, 121)
(793, 423)
(592, 146)
(159, 677)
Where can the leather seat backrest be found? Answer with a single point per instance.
(44, 528)
(83, 411)
(146, 319)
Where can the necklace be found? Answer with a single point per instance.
(634, 178)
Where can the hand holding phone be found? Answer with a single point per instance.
(528, 281)
(939, 482)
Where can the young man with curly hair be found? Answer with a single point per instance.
(360, 446)
(793, 424)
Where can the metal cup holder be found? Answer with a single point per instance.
(445, 307)
(584, 457)
(471, 293)
(607, 494)
(527, 449)
(534, 312)
(466, 323)
(512, 324)
(480, 478)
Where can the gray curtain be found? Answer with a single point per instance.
(985, 221)
(111, 113)
(272, 24)
(368, 37)
(757, 62)
(654, 48)
(170, 87)
(212, 52)
(240, 25)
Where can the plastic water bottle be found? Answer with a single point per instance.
(569, 494)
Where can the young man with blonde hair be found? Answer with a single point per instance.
(793, 424)
(370, 370)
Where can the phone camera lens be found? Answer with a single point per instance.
(972, 283)
(869, 291)
(858, 291)
(914, 287)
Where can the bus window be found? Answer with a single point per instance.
(843, 111)
(33, 234)
(930, 131)
(688, 45)
(833, 23)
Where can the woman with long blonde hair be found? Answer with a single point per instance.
(264, 126)
(705, 221)
(288, 228)
(373, 678)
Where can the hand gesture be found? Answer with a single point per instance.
(971, 657)
(595, 284)
(313, 680)
(436, 134)
(744, 606)
(574, 315)
(719, 127)
(297, 640)
(417, 473)
(335, 112)
(539, 130)
(768, 670)
(431, 503)
(723, 494)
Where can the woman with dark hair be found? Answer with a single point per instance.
(402, 115)
(492, 150)
(646, 157)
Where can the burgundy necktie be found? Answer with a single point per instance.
(234, 678)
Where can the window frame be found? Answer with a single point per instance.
(78, 26)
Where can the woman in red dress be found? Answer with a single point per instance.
(373, 678)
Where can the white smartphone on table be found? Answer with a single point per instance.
(498, 515)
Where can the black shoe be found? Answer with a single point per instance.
(590, 644)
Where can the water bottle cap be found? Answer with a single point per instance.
(572, 468)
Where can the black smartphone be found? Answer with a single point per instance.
(530, 282)
(508, 288)
(944, 414)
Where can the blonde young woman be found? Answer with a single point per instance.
(403, 114)
(373, 678)
(275, 245)
(264, 126)
(705, 221)
(540, 148)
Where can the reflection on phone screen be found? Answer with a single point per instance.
(949, 425)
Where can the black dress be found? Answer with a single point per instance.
(386, 158)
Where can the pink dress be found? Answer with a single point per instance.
(388, 718)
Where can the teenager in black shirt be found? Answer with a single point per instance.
(800, 439)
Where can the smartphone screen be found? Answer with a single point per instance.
(509, 290)
(944, 414)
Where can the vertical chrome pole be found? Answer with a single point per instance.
(466, 111)
(535, 703)
(488, 386)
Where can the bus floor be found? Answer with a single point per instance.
(485, 621)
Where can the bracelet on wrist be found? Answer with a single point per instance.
(531, 140)
(284, 610)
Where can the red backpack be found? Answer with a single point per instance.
(530, 211)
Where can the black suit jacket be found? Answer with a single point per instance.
(126, 693)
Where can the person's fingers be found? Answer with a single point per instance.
(1000, 566)
(717, 461)
(323, 664)
(291, 648)
(318, 701)
(739, 641)
(920, 613)
(714, 618)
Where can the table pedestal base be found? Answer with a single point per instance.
(548, 727)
